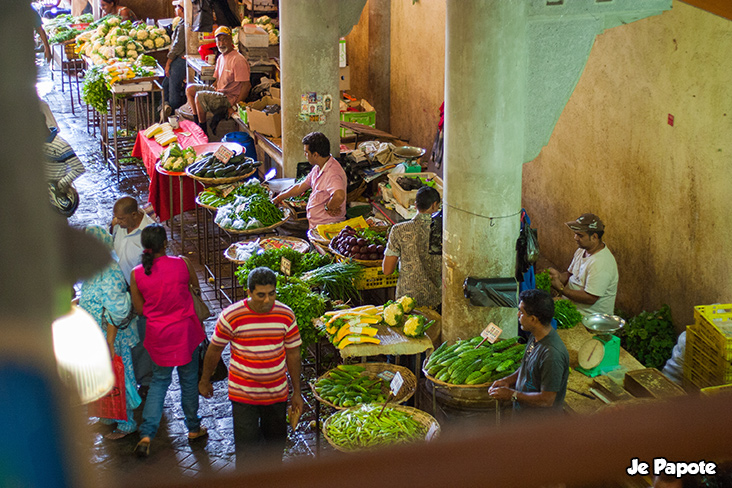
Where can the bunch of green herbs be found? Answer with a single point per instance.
(650, 337)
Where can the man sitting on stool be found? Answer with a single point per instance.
(230, 87)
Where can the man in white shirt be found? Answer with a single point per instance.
(591, 281)
(126, 226)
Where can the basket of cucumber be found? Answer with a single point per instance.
(348, 385)
(212, 171)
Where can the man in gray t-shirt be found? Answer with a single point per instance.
(540, 383)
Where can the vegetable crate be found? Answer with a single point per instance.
(702, 367)
(373, 278)
(714, 325)
(69, 49)
(366, 117)
(406, 198)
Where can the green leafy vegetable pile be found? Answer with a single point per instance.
(544, 281)
(271, 258)
(95, 90)
(306, 304)
(566, 314)
(650, 337)
(213, 196)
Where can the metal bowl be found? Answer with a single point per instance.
(409, 152)
(603, 324)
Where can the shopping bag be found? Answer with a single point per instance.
(113, 405)
(202, 310)
(221, 372)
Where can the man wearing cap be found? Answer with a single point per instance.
(591, 281)
(230, 87)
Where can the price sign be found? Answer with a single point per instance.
(223, 154)
(285, 266)
(386, 375)
(431, 433)
(396, 383)
(491, 333)
(225, 191)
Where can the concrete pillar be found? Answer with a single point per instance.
(309, 61)
(485, 78)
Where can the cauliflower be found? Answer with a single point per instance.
(102, 30)
(166, 38)
(120, 51)
(149, 44)
(151, 34)
(407, 303)
(133, 34)
(130, 46)
(142, 35)
(112, 21)
(131, 53)
(393, 313)
(111, 40)
(416, 325)
(159, 42)
(160, 31)
(116, 31)
(246, 20)
(122, 40)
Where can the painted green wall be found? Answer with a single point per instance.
(662, 191)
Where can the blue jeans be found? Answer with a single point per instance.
(153, 411)
(173, 90)
(259, 430)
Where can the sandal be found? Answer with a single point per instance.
(142, 449)
(116, 434)
(197, 435)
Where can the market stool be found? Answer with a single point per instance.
(141, 109)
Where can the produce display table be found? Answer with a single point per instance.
(393, 343)
(161, 185)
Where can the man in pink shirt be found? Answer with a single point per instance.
(232, 84)
(327, 202)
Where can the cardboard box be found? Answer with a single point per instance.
(345, 80)
(253, 36)
(406, 198)
(366, 115)
(266, 124)
(275, 92)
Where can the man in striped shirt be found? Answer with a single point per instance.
(62, 165)
(265, 344)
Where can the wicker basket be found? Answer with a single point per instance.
(426, 420)
(363, 262)
(260, 230)
(220, 181)
(373, 369)
(203, 205)
(299, 245)
(460, 396)
(316, 238)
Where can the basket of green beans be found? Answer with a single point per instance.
(363, 427)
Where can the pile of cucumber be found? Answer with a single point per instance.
(350, 385)
(464, 364)
(211, 167)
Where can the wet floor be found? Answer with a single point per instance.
(172, 455)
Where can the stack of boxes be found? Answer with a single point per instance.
(708, 357)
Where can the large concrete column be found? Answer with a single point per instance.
(309, 35)
(485, 79)
(309, 61)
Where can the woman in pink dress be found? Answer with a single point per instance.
(160, 291)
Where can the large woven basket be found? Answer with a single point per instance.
(260, 230)
(299, 245)
(372, 370)
(220, 181)
(316, 238)
(460, 396)
(425, 419)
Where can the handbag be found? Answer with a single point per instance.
(113, 405)
(221, 372)
(202, 310)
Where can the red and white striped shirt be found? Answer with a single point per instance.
(258, 342)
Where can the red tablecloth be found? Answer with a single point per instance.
(149, 151)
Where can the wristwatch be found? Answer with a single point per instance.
(514, 397)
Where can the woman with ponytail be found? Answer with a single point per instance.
(160, 289)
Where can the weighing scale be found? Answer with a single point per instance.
(601, 354)
(409, 154)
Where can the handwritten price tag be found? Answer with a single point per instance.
(386, 375)
(396, 383)
(223, 154)
(225, 191)
(285, 266)
(491, 333)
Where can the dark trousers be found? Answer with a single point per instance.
(173, 90)
(141, 361)
(259, 431)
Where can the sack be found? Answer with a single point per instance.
(202, 310)
(532, 244)
(113, 405)
(221, 372)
